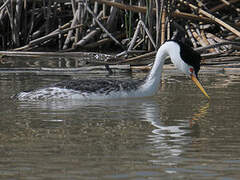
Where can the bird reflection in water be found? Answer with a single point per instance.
(170, 136)
(202, 112)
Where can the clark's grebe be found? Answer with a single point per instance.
(182, 56)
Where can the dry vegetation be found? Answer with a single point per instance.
(134, 29)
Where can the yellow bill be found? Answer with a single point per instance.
(195, 80)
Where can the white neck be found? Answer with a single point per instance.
(168, 49)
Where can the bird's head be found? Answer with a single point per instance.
(189, 63)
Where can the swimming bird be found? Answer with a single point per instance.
(183, 57)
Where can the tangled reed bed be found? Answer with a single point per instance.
(134, 29)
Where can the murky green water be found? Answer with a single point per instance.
(176, 134)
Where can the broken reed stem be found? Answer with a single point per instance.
(220, 6)
(78, 30)
(31, 22)
(231, 5)
(146, 55)
(224, 43)
(206, 42)
(190, 35)
(70, 32)
(17, 21)
(73, 2)
(148, 33)
(130, 21)
(158, 20)
(150, 21)
(47, 37)
(4, 5)
(217, 20)
(95, 10)
(102, 27)
(163, 24)
(134, 38)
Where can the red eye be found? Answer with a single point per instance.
(191, 70)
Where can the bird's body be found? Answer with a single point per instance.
(109, 88)
(86, 89)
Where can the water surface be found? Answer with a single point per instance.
(176, 134)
